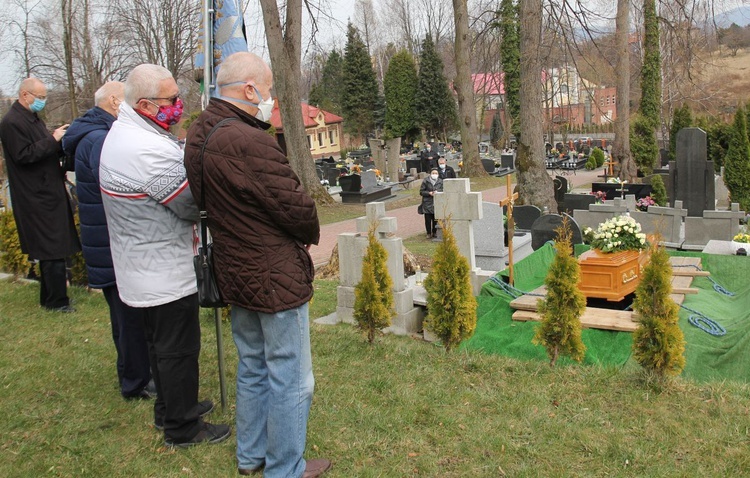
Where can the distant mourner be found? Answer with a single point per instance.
(84, 140)
(151, 217)
(37, 191)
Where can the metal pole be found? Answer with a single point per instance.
(220, 353)
(208, 51)
(208, 85)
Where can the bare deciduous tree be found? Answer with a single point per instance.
(285, 47)
(534, 184)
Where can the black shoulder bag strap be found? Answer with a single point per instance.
(202, 205)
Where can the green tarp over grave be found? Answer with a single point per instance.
(707, 357)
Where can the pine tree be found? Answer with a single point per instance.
(451, 305)
(658, 190)
(436, 107)
(681, 119)
(737, 163)
(561, 309)
(510, 55)
(400, 88)
(658, 342)
(327, 93)
(360, 88)
(373, 296)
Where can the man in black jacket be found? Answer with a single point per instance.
(428, 159)
(445, 171)
(37, 191)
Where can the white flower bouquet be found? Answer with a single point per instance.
(621, 233)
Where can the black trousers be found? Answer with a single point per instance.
(430, 224)
(129, 336)
(53, 292)
(173, 336)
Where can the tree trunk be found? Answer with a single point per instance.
(67, 15)
(534, 184)
(621, 148)
(284, 49)
(467, 112)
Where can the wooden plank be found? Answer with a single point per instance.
(681, 285)
(685, 261)
(592, 318)
(528, 301)
(678, 298)
(690, 272)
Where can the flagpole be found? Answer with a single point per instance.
(208, 86)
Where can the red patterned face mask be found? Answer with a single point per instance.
(167, 115)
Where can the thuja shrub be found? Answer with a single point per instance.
(643, 144)
(658, 190)
(598, 156)
(451, 305)
(373, 296)
(561, 309)
(737, 162)
(658, 342)
(12, 260)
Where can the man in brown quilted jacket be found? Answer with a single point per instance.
(262, 222)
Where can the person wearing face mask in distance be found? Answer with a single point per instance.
(151, 219)
(262, 222)
(41, 209)
(428, 158)
(430, 185)
(445, 171)
(83, 141)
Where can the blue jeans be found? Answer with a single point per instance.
(274, 389)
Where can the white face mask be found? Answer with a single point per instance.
(265, 107)
(442, 166)
(434, 176)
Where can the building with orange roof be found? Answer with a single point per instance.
(324, 130)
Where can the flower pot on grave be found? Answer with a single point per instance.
(739, 245)
(351, 183)
(611, 275)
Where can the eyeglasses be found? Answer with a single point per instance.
(41, 97)
(171, 99)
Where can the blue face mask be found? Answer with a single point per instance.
(37, 105)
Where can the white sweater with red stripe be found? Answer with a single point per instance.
(150, 211)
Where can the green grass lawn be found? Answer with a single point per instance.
(396, 409)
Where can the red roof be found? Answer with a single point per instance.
(309, 113)
(488, 83)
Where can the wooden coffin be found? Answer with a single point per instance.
(610, 276)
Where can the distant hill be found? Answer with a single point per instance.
(739, 16)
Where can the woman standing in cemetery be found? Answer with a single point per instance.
(430, 185)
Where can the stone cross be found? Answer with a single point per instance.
(462, 206)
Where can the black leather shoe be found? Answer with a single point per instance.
(204, 408)
(147, 393)
(209, 434)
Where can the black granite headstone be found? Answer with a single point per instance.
(694, 174)
(543, 230)
(560, 185)
(507, 161)
(578, 201)
(524, 216)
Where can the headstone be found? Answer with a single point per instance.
(543, 230)
(369, 180)
(714, 225)
(508, 160)
(666, 221)
(694, 173)
(463, 207)
(377, 146)
(574, 202)
(489, 165)
(352, 247)
(721, 191)
(560, 185)
(663, 157)
(598, 213)
(414, 164)
(392, 159)
(524, 217)
(489, 247)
